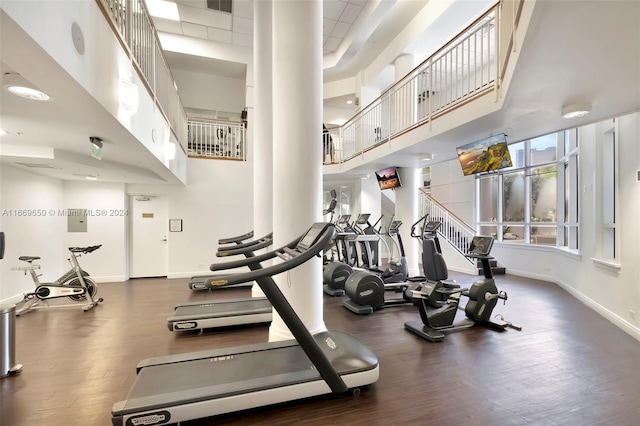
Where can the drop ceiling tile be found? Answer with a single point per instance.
(331, 44)
(242, 25)
(245, 40)
(350, 13)
(194, 30)
(216, 34)
(201, 4)
(332, 9)
(243, 8)
(209, 18)
(327, 25)
(340, 30)
(167, 25)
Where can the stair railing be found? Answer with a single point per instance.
(454, 230)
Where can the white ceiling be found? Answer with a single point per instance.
(586, 53)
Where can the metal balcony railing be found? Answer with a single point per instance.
(470, 65)
(217, 139)
(134, 28)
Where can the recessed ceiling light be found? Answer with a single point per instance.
(426, 157)
(17, 85)
(576, 110)
(349, 101)
(29, 93)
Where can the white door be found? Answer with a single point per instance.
(149, 227)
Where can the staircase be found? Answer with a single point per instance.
(457, 234)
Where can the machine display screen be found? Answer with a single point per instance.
(481, 245)
(395, 225)
(311, 236)
(432, 226)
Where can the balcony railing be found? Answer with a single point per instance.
(217, 139)
(469, 66)
(137, 35)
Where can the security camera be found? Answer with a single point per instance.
(96, 141)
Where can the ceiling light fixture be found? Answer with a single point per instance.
(163, 9)
(576, 110)
(349, 101)
(19, 86)
(426, 157)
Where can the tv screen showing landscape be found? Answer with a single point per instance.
(388, 178)
(485, 155)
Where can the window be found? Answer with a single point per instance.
(530, 202)
(221, 5)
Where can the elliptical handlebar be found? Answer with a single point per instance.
(423, 219)
(84, 250)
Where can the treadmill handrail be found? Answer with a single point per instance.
(234, 250)
(288, 253)
(268, 237)
(237, 239)
(254, 259)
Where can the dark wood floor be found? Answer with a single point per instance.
(568, 366)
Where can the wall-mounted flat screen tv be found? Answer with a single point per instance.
(485, 155)
(388, 178)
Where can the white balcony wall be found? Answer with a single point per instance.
(100, 69)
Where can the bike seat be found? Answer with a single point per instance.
(29, 258)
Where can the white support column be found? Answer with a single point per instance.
(407, 212)
(297, 149)
(261, 120)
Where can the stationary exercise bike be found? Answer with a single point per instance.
(483, 296)
(74, 284)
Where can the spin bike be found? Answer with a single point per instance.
(74, 284)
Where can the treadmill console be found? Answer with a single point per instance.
(311, 236)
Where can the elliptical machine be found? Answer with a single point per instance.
(483, 297)
(74, 284)
(336, 272)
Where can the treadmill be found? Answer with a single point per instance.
(198, 282)
(225, 312)
(177, 388)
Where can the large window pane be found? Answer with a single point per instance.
(543, 194)
(516, 151)
(543, 149)
(543, 235)
(489, 199)
(513, 234)
(513, 197)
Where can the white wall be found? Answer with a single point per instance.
(611, 291)
(453, 190)
(107, 221)
(41, 235)
(211, 92)
(217, 203)
(100, 70)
